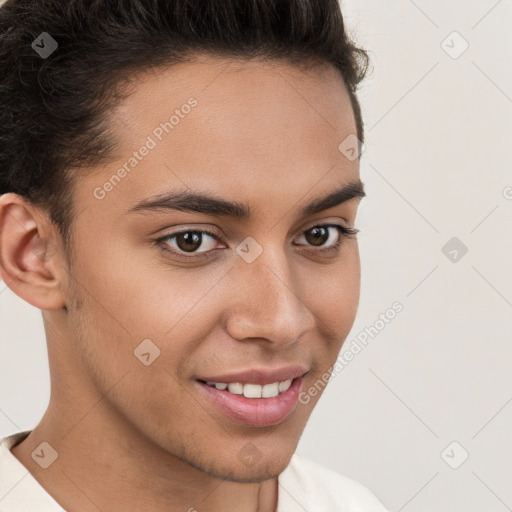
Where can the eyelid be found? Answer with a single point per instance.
(327, 222)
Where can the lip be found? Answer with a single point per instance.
(259, 376)
(254, 412)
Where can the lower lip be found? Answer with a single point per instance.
(255, 412)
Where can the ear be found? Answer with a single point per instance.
(30, 263)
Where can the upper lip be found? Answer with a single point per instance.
(259, 376)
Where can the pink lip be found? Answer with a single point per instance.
(258, 376)
(255, 412)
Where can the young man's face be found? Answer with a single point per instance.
(266, 292)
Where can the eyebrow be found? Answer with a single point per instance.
(208, 204)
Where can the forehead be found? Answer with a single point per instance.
(248, 130)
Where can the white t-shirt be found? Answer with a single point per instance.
(304, 486)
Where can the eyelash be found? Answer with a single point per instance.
(344, 233)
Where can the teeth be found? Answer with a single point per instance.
(270, 390)
(283, 386)
(236, 388)
(253, 390)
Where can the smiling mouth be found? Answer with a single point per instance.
(252, 390)
(253, 405)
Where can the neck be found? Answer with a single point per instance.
(101, 465)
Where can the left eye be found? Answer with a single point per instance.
(319, 235)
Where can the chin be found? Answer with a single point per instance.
(236, 471)
(249, 475)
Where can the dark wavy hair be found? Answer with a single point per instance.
(54, 110)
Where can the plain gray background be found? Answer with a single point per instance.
(422, 415)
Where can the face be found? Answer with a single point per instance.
(162, 297)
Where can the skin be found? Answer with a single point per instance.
(132, 437)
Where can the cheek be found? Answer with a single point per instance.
(145, 309)
(137, 293)
(334, 297)
(116, 318)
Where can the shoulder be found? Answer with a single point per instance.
(19, 490)
(306, 485)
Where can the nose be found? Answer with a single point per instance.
(269, 302)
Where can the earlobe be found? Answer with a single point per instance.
(29, 262)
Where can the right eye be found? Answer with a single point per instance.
(187, 241)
